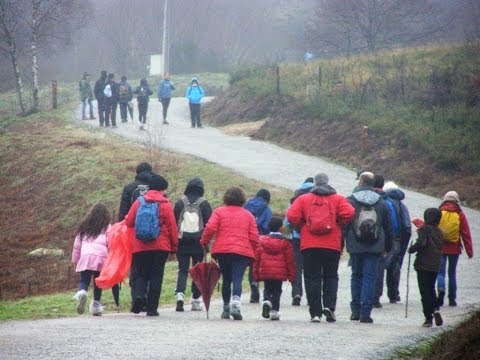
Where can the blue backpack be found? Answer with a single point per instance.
(393, 218)
(147, 225)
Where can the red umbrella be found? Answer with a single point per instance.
(205, 275)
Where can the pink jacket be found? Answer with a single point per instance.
(90, 253)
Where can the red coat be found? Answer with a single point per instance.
(456, 248)
(234, 230)
(341, 211)
(274, 259)
(168, 238)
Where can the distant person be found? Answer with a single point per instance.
(165, 88)
(235, 236)
(100, 96)
(194, 95)
(143, 93)
(86, 95)
(319, 216)
(125, 95)
(274, 263)
(192, 213)
(427, 262)
(111, 101)
(150, 253)
(89, 253)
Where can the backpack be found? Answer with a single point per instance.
(393, 218)
(147, 224)
(142, 92)
(257, 215)
(139, 191)
(107, 91)
(123, 92)
(450, 226)
(319, 220)
(191, 220)
(366, 225)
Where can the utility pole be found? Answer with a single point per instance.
(166, 37)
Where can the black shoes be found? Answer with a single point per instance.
(366, 319)
(354, 317)
(452, 303)
(254, 295)
(296, 300)
(329, 315)
(377, 305)
(438, 318)
(440, 297)
(153, 313)
(428, 323)
(138, 305)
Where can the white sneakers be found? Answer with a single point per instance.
(315, 319)
(81, 297)
(274, 315)
(196, 305)
(235, 308)
(96, 308)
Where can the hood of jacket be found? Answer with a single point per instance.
(256, 205)
(450, 206)
(323, 189)
(144, 177)
(272, 244)
(195, 187)
(395, 194)
(155, 196)
(366, 196)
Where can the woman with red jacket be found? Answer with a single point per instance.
(452, 250)
(274, 263)
(236, 238)
(149, 258)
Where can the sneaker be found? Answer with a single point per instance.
(180, 299)
(153, 313)
(393, 301)
(141, 127)
(165, 122)
(254, 294)
(266, 307)
(354, 317)
(138, 305)
(427, 323)
(226, 312)
(366, 319)
(315, 319)
(81, 297)
(440, 297)
(377, 305)
(329, 315)
(438, 318)
(296, 300)
(274, 315)
(96, 308)
(196, 305)
(235, 310)
(84, 118)
(452, 303)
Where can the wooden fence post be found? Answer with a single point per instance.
(319, 74)
(54, 94)
(365, 140)
(277, 73)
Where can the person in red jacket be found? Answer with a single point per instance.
(319, 216)
(274, 263)
(236, 238)
(149, 258)
(452, 250)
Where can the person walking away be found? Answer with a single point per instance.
(86, 95)
(143, 93)
(235, 237)
(259, 208)
(90, 250)
(100, 96)
(427, 262)
(297, 285)
(156, 237)
(456, 231)
(318, 216)
(194, 95)
(111, 101)
(368, 237)
(192, 212)
(125, 95)
(165, 88)
(274, 263)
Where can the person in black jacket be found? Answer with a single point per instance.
(189, 235)
(99, 95)
(130, 192)
(111, 101)
(143, 93)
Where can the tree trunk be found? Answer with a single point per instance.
(34, 58)
(18, 78)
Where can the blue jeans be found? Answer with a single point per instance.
(232, 267)
(364, 276)
(84, 107)
(452, 275)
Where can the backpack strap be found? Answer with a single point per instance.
(142, 200)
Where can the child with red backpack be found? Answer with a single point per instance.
(274, 263)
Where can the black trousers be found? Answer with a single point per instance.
(149, 267)
(123, 111)
(85, 278)
(297, 286)
(183, 266)
(272, 292)
(165, 104)
(426, 285)
(101, 111)
(195, 115)
(320, 270)
(142, 112)
(111, 114)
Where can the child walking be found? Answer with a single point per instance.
(89, 253)
(427, 264)
(274, 263)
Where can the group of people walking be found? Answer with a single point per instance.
(111, 94)
(372, 223)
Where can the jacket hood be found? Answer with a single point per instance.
(144, 177)
(380, 192)
(395, 194)
(256, 205)
(155, 196)
(194, 80)
(195, 186)
(306, 185)
(366, 196)
(450, 206)
(323, 189)
(272, 244)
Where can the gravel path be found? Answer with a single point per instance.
(189, 335)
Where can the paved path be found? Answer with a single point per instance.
(189, 335)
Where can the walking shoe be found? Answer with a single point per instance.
(196, 305)
(81, 297)
(153, 313)
(138, 305)
(366, 319)
(141, 127)
(354, 317)
(393, 301)
(92, 117)
(165, 122)
(274, 315)
(226, 311)
(377, 305)
(329, 315)
(438, 318)
(266, 307)
(254, 294)
(440, 297)
(96, 308)
(235, 310)
(452, 303)
(84, 118)
(315, 319)
(296, 300)
(427, 323)
(180, 299)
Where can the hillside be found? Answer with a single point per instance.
(421, 106)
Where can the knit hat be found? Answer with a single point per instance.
(264, 194)
(452, 196)
(144, 166)
(390, 185)
(158, 182)
(321, 179)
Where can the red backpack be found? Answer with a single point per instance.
(320, 220)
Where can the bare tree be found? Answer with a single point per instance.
(471, 25)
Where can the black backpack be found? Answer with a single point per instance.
(366, 225)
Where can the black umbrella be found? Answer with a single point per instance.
(116, 295)
(130, 110)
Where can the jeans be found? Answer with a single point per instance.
(320, 270)
(195, 115)
(85, 277)
(272, 292)
(452, 275)
(232, 267)
(297, 288)
(165, 104)
(149, 267)
(84, 107)
(123, 111)
(142, 113)
(364, 275)
(426, 285)
(183, 266)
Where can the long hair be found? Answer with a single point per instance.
(96, 222)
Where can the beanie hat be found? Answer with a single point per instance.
(432, 216)
(321, 179)
(144, 166)
(158, 182)
(264, 194)
(390, 185)
(452, 196)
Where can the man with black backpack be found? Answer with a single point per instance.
(369, 237)
(192, 213)
(125, 95)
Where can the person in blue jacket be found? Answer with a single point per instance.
(165, 88)
(195, 94)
